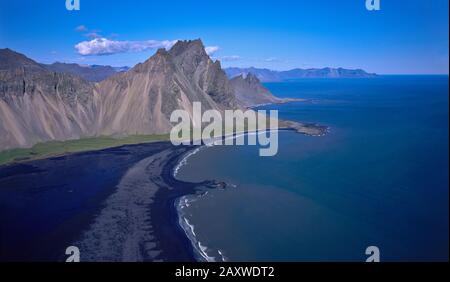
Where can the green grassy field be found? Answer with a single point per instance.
(57, 148)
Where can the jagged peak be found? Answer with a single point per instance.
(247, 77)
(183, 46)
(251, 78)
(161, 52)
(161, 55)
(241, 76)
(181, 49)
(217, 64)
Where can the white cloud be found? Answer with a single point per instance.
(104, 46)
(211, 49)
(230, 58)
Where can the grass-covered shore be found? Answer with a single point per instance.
(57, 148)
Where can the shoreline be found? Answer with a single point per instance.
(58, 148)
(139, 221)
(58, 199)
(137, 218)
(199, 251)
(62, 148)
(128, 213)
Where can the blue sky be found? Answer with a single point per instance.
(404, 37)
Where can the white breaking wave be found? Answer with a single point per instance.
(184, 160)
(184, 202)
(188, 228)
(203, 252)
(222, 255)
(213, 142)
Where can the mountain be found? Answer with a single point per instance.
(38, 104)
(266, 75)
(13, 60)
(94, 73)
(142, 99)
(250, 92)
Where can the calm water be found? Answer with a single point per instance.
(380, 177)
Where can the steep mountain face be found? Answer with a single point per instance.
(37, 104)
(94, 73)
(266, 75)
(208, 76)
(250, 92)
(142, 99)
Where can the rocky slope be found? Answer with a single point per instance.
(37, 104)
(142, 99)
(250, 92)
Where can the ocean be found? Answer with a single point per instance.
(378, 178)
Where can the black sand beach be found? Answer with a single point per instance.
(115, 205)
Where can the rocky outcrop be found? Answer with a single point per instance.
(250, 92)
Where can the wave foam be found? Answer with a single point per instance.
(200, 249)
(184, 160)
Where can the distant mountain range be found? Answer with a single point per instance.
(97, 73)
(94, 73)
(40, 102)
(266, 75)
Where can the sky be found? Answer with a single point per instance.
(403, 37)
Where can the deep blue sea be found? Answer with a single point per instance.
(378, 178)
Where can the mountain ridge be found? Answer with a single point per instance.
(93, 73)
(38, 105)
(267, 75)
